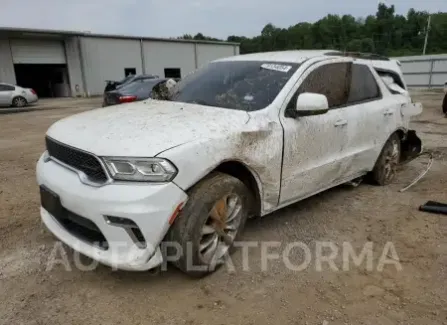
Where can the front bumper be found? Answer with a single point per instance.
(149, 206)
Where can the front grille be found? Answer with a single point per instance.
(77, 159)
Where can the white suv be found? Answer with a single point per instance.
(242, 136)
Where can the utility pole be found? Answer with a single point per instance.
(426, 34)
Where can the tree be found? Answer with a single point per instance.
(383, 33)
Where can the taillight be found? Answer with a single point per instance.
(127, 99)
(33, 92)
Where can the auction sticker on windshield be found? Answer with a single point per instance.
(276, 67)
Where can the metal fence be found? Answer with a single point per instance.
(424, 71)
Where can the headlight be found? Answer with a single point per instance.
(140, 169)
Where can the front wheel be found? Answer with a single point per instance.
(209, 224)
(385, 168)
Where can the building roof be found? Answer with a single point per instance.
(34, 32)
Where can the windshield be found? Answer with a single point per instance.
(126, 79)
(241, 85)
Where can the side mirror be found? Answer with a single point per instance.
(311, 104)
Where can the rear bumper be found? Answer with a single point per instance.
(32, 99)
(148, 206)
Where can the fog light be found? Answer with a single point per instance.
(120, 222)
(130, 227)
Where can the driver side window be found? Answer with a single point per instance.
(331, 80)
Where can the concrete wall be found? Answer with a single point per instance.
(106, 59)
(424, 71)
(74, 66)
(7, 73)
(161, 55)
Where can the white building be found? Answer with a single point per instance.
(66, 63)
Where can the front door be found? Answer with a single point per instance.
(314, 146)
(6, 94)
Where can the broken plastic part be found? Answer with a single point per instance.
(434, 207)
(411, 147)
(411, 109)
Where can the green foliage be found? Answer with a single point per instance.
(384, 33)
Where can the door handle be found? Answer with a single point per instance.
(340, 123)
(388, 112)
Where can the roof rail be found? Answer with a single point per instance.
(360, 55)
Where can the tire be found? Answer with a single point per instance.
(385, 167)
(19, 101)
(193, 228)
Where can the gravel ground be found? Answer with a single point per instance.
(31, 292)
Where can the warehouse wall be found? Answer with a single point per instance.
(74, 67)
(210, 52)
(7, 73)
(160, 55)
(106, 59)
(424, 71)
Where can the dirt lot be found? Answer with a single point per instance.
(417, 294)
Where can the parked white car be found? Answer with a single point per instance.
(242, 136)
(16, 96)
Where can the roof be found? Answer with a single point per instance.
(299, 56)
(293, 56)
(49, 32)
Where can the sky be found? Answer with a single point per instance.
(172, 18)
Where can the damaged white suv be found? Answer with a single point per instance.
(242, 136)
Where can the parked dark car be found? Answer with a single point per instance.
(132, 92)
(112, 84)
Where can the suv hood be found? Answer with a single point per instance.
(144, 129)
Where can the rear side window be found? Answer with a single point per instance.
(396, 78)
(363, 85)
(330, 80)
(6, 88)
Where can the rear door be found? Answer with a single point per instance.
(371, 116)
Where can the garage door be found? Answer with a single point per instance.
(37, 52)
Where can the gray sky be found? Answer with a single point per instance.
(165, 18)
